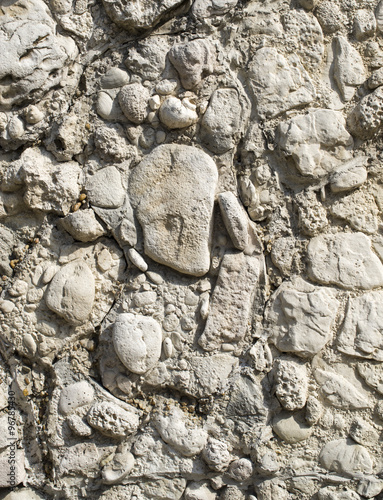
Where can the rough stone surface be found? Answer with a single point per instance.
(173, 191)
(71, 292)
(301, 318)
(137, 341)
(345, 260)
(191, 249)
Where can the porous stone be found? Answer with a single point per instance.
(366, 118)
(291, 384)
(49, 186)
(176, 216)
(133, 101)
(216, 455)
(113, 420)
(142, 15)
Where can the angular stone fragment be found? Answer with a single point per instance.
(80, 458)
(339, 392)
(137, 340)
(173, 190)
(333, 493)
(278, 84)
(113, 420)
(49, 186)
(379, 16)
(345, 260)
(300, 317)
(104, 188)
(362, 331)
(309, 139)
(199, 491)
(308, 34)
(83, 225)
(133, 100)
(221, 124)
(232, 300)
(175, 430)
(192, 60)
(33, 56)
(372, 375)
(71, 292)
(345, 458)
(235, 219)
(291, 384)
(349, 71)
(359, 210)
(141, 14)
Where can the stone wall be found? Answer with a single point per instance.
(191, 247)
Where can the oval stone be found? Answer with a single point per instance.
(137, 340)
(71, 292)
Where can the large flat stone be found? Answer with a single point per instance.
(173, 190)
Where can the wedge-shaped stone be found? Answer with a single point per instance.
(173, 190)
(362, 331)
(235, 219)
(345, 260)
(137, 340)
(339, 392)
(232, 300)
(349, 69)
(71, 292)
